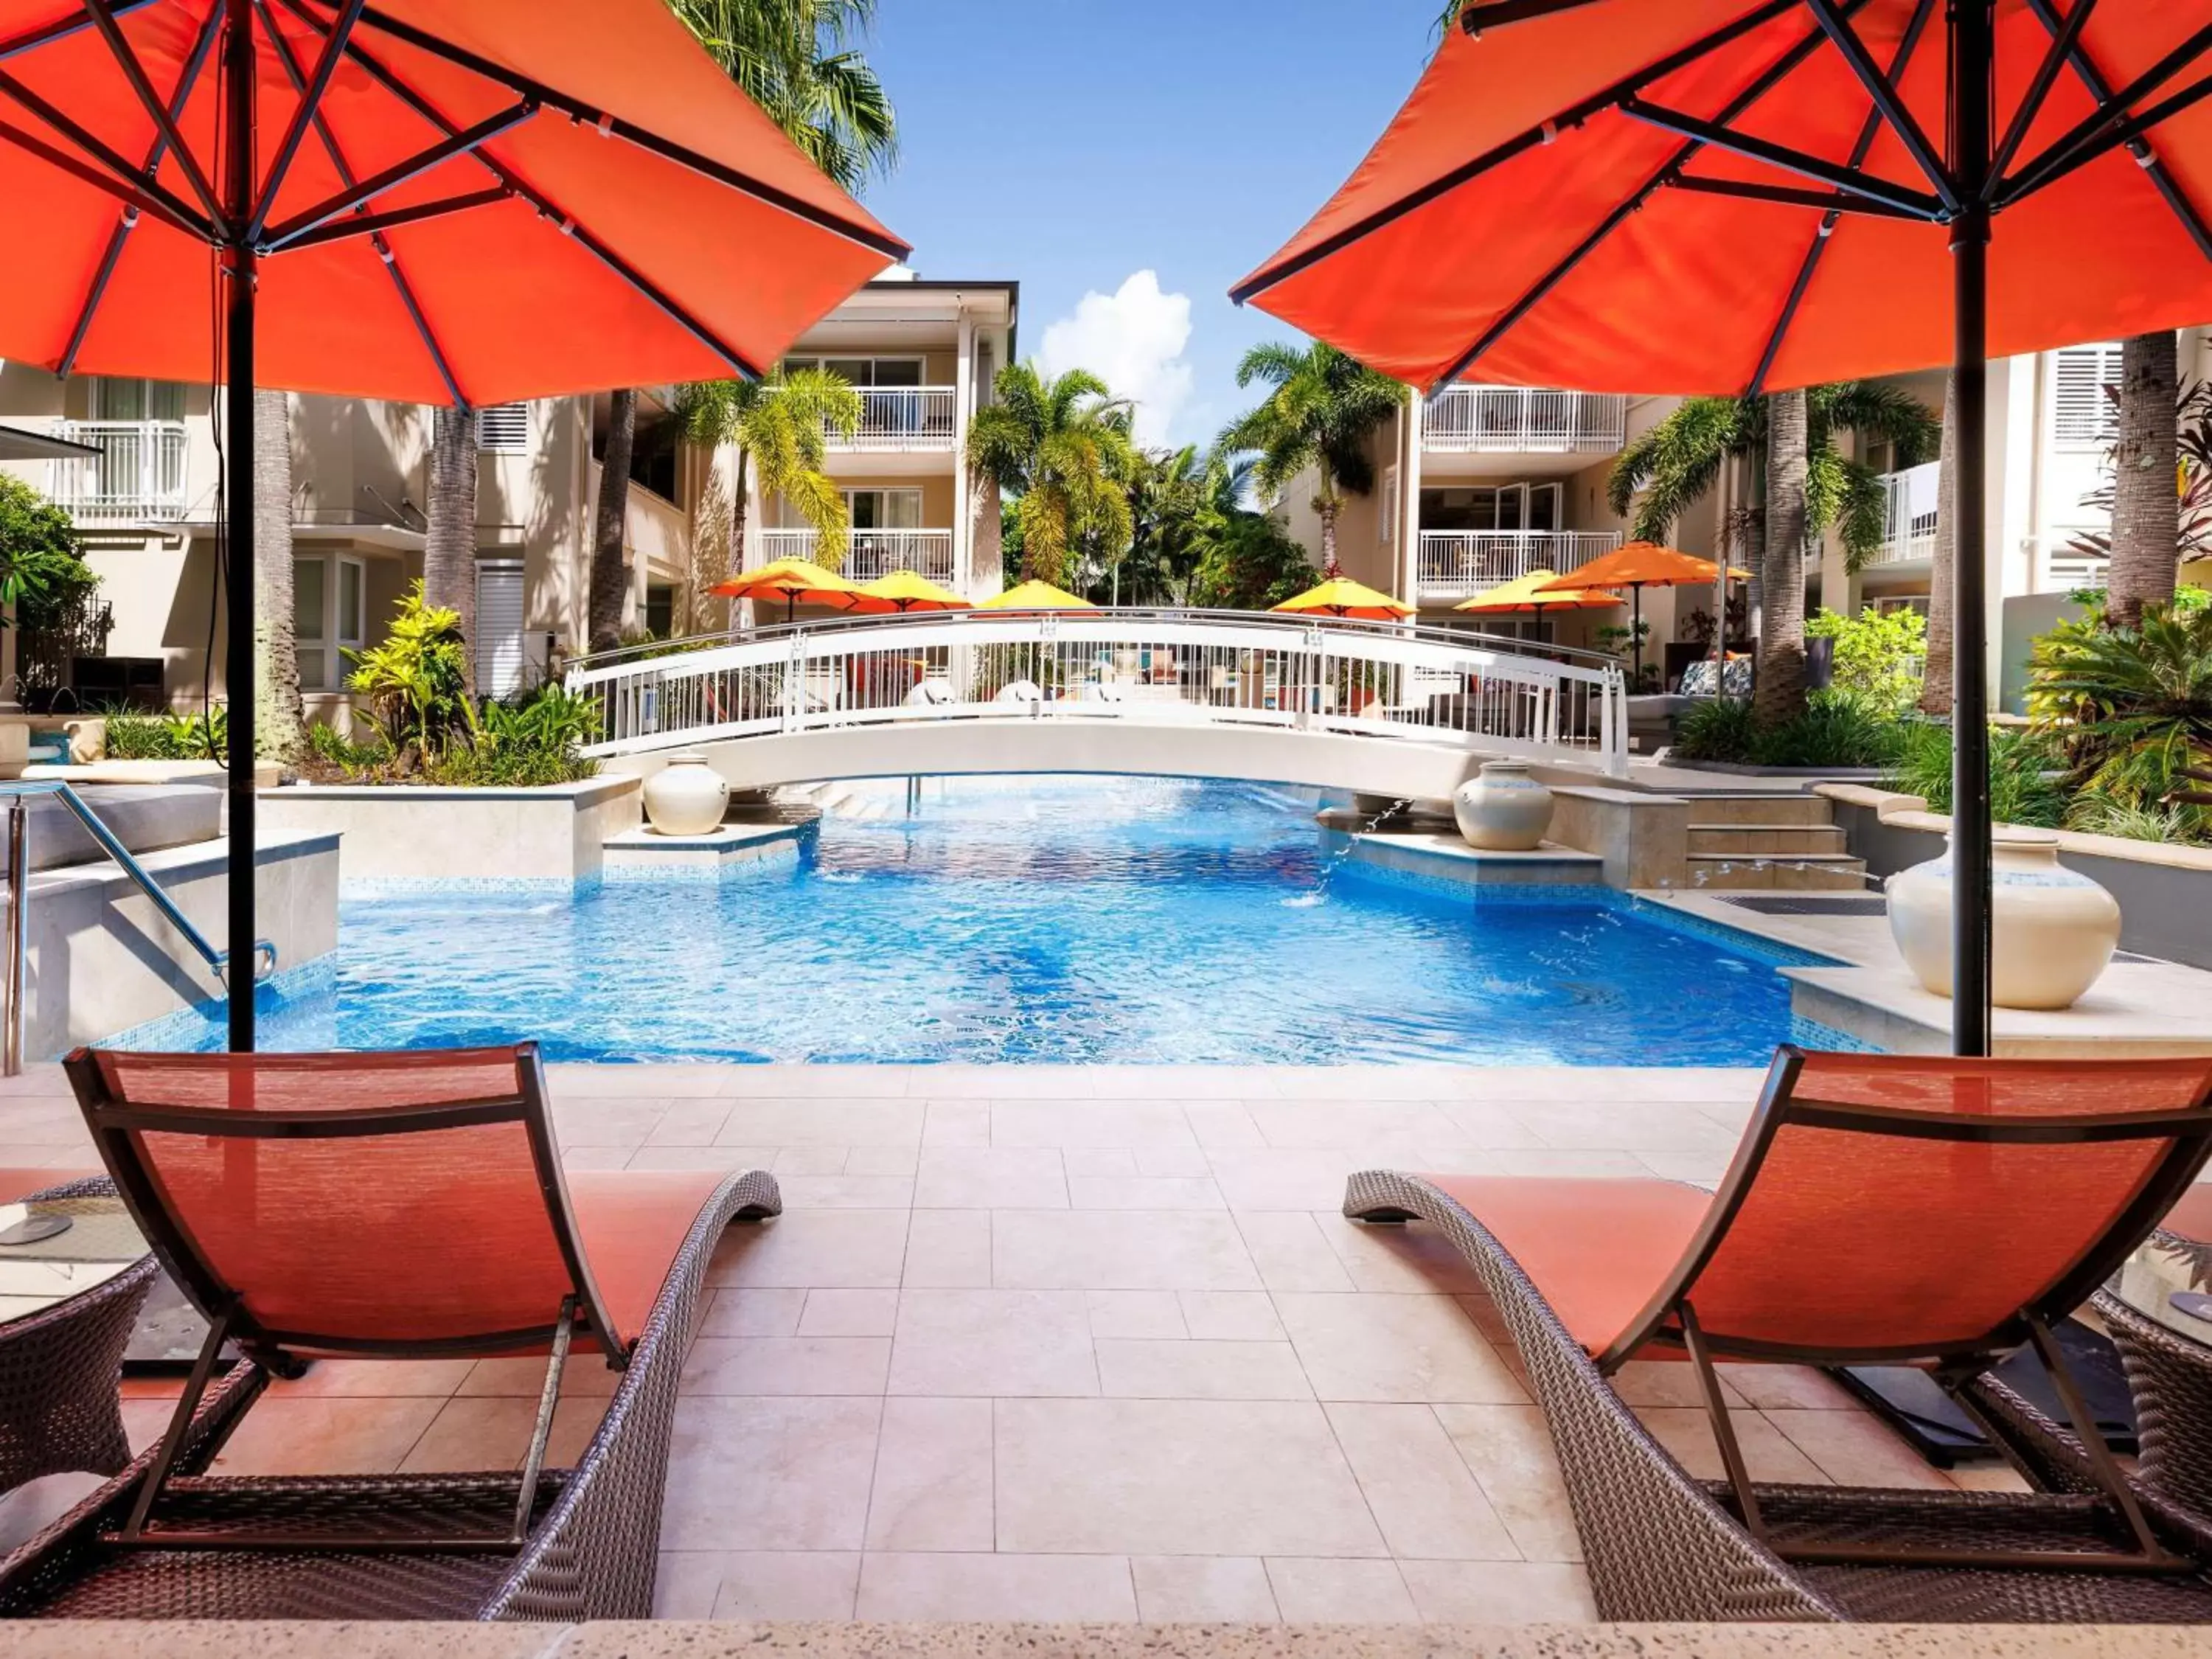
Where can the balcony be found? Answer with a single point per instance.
(1909, 519)
(895, 418)
(1480, 420)
(138, 476)
(1458, 564)
(874, 552)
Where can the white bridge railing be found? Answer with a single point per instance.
(1228, 668)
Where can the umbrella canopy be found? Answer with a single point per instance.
(1805, 191)
(792, 581)
(1035, 596)
(438, 201)
(1535, 593)
(902, 590)
(1641, 564)
(1340, 596)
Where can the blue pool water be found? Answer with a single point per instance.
(1051, 919)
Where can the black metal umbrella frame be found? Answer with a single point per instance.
(1975, 177)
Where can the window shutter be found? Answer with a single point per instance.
(504, 428)
(500, 662)
(2081, 413)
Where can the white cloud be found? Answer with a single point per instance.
(1134, 340)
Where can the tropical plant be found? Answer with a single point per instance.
(1877, 656)
(1829, 732)
(414, 681)
(41, 568)
(551, 717)
(1061, 447)
(167, 737)
(1717, 729)
(449, 544)
(1168, 495)
(1318, 418)
(2024, 765)
(2193, 478)
(1244, 559)
(781, 426)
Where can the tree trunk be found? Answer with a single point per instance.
(1781, 692)
(449, 549)
(1330, 570)
(280, 716)
(610, 569)
(2146, 498)
(1936, 676)
(718, 529)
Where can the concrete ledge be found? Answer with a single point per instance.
(144, 818)
(1549, 866)
(1642, 838)
(645, 854)
(676, 1639)
(393, 832)
(2137, 1011)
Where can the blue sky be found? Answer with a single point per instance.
(1075, 145)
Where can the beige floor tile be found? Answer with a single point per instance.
(803, 1248)
(1499, 1592)
(1783, 1388)
(1090, 1123)
(819, 1365)
(1265, 1178)
(823, 1123)
(1670, 1383)
(1135, 1315)
(474, 1434)
(610, 1122)
(360, 1379)
(1012, 1081)
(757, 1474)
(948, 1249)
(1411, 1259)
(812, 1161)
(1178, 1478)
(1601, 1166)
(1101, 1163)
(1509, 1450)
(1186, 1370)
(1322, 1591)
(1630, 1125)
(849, 1313)
(882, 1160)
(1055, 1590)
(990, 1178)
(1481, 1124)
(957, 1123)
(932, 1488)
(594, 1158)
(1986, 1477)
(1406, 1349)
(1490, 1322)
(789, 1585)
(1768, 1453)
(837, 1083)
(1422, 1495)
(1119, 1250)
(686, 1584)
(1289, 1252)
(1230, 1316)
(731, 1158)
(685, 1123)
(1692, 1169)
(1222, 1125)
(573, 1081)
(993, 1344)
(327, 1437)
(1327, 1125)
(846, 1192)
(1203, 1589)
(1144, 1193)
(1854, 1449)
(754, 1313)
(586, 1375)
(1171, 1162)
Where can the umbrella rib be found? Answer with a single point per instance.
(506, 175)
(1834, 202)
(2124, 135)
(129, 195)
(310, 97)
(146, 189)
(1475, 18)
(1917, 203)
(384, 249)
(374, 224)
(164, 124)
(2063, 42)
(1773, 77)
(2109, 110)
(1907, 45)
(363, 192)
(1543, 133)
(31, 39)
(1893, 108)
(615, 126)
(2085, 71)
(187, 78)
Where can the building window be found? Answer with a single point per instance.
(117, 399)
(328, 600)
(501, 661)
(1390, 507)
(2082, 415)
(503, 429)
(660, 610)
(866, 371)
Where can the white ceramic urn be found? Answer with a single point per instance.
(2054, 929)
(686, 797)
(1503, 809)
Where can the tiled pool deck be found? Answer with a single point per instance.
(1084, 1344)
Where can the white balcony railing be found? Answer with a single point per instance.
(902, 417)
(138, 476)
(1909, 518)
(1458, 564)
(874, 552)
(1505, 419)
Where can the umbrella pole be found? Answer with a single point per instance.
(1972, 50)
(1636, 632)
(238, 274)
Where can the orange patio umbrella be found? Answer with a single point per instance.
(1534, 594)
(1636, 566)
(1340, 596)
(903, 591)
(1722, 196)
(462, 202)
(792, 581)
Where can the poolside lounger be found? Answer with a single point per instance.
(1880, 1210)
(394, 1205)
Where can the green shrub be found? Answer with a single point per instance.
(1877, 657)
(415, 679)
(342, 755)
(2023, 786)
(167, 737)
(1834, 729)
(1719, 729)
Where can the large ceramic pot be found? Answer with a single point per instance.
(687, 796)
(1503, 809)
(2054, 930)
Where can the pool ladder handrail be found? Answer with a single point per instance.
(16, 792)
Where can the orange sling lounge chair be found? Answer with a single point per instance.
(1880, 1210)
(393, 1206)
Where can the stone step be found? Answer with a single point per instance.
(1774, 838)
(1761, 809)
(1804, 872)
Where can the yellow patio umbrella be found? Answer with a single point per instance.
(1534, 593)
(902, 590)
(1340, 596)
(1035, 596)
(791, 581)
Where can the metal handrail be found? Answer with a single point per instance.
(16, 791)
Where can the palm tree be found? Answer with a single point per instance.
(1935, 668)
(2146, 462)
(1167, 495)
(610, 586)
(780, 428)
(449, 547)
(1062, 447)
(282, 717)
(1324, 408)
(1780, 676)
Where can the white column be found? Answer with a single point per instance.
(963, 396)
(1409, 505)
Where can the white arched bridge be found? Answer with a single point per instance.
(1380, 709)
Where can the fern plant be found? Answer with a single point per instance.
(415, 680)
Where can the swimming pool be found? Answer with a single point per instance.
(1046, 920)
